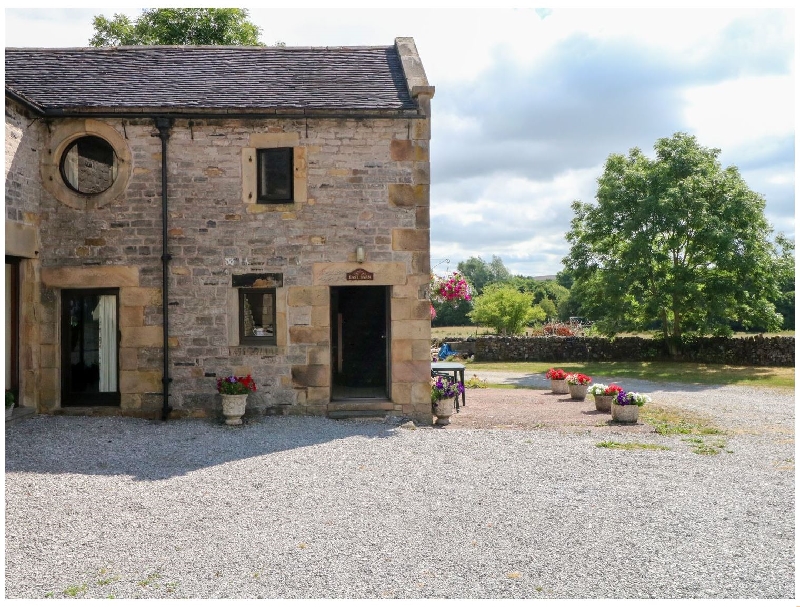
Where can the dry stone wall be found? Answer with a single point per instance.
(756, 350)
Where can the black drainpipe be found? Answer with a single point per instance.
(164, 125)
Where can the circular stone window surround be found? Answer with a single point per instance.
(64, 134)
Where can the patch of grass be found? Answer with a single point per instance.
(701, 447)
(150, 579)
(514, 387)
(104, 579)
(610, 444)
(687, 373)
(669, 422)
(461, 332)
(73, 591)
(704, 438)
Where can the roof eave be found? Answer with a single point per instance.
(142, 112)
(25, 101)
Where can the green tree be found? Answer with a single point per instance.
(179, 26)
(677, 242)
(479, 273)
(505, 309)
(452, 314)
(499, 271)
(547, 294)
(785, 273)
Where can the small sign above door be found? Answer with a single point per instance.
(360, 274)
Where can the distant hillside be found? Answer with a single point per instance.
(547, 277)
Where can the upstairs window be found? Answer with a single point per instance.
(89, 165)
(275, 175)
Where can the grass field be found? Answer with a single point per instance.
(689, 373)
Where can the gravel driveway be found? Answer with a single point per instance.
(313, 508)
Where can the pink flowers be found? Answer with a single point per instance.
(578, 379)
(449, 289)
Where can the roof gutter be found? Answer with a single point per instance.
(25, 101)
(195, 114)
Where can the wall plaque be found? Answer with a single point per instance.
(360, 274)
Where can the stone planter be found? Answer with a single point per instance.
(602, 402)
(578, 391)
(233, 406)
(443, 409)
(559, 386)
(625, 414)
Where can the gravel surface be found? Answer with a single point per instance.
(735, 408)
(289, 507)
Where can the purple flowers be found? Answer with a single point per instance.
(631, 398)
(622, 398)
(444, 387)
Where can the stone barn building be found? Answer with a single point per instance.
(179, 214)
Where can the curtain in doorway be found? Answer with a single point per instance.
(106, 314)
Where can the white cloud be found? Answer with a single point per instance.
(528, 106)
(734, 113)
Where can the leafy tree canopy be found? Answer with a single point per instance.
(178, 26)
(505, 309)
(479, 273)
(452, 314)
(786, 283)
(675, 242)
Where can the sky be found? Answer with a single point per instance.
(530, 103)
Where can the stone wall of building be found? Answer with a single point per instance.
(366, 183)
(23, 143)
(756, 350)
(22, 186)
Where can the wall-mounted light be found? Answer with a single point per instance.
(360, 254)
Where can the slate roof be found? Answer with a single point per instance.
(209, 79)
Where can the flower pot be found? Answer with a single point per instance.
(578, 391)
(559, 386)
(443, 409)
(602, 402)
(626, 414)
(233, 406)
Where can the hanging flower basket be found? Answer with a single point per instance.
(450, 289)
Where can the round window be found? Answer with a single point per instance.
(89, 165)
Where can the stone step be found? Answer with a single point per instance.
(361, 404)
(375, 415)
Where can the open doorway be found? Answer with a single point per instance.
(12, 326)
(90, 347)
(360, 342)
